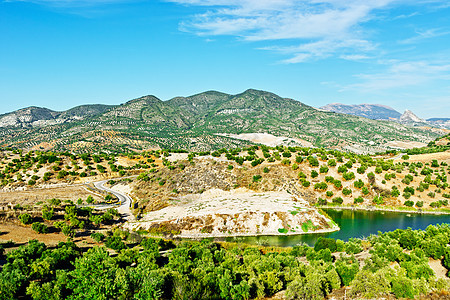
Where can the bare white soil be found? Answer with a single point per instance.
(237, 212)
(405, 145)
(269, 139)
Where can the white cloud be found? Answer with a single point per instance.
(322, 28)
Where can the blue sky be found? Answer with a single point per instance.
(63, 53)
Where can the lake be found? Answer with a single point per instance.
(353, 223)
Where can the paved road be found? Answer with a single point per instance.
(124, 200)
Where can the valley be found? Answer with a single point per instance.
(252, 198)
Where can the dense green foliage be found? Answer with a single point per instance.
(207, 270)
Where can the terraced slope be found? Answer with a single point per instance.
(199, 122)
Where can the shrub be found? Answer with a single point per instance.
(323, 169)
(115, 243)
(89, 199)
(378, 200)
(314, 174)
(358, 200)
(286, 162)
(346, 191)
(329, 194)
(256, 178)
(321, 186)
(322, 201)
(338, 200)
(348, 175)
(419, 203)
(306, 183)
(342, 169)
(25, 219)
(325, 243)
(313, 162)
(358, 184)
(98, 237)
(39, 227)
(361, 170)
(337, 184)
(409, 203)
(301, 175)
(347, 268)
(266, 170)
(47, 213)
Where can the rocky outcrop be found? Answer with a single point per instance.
(409, 117)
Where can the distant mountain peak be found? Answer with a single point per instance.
(409, 116)
(370, 111)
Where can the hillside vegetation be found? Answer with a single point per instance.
(198, 123)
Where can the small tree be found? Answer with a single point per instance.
(25, 219)
(39, 227)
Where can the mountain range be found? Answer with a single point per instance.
(383, 112)
(205, 121)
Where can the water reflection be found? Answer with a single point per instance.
(353, 224)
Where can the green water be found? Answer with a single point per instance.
(356, 224)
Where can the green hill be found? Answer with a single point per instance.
(199, 122)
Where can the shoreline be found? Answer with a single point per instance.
(218, 235)
(427, 212)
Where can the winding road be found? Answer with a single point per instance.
(124, 201)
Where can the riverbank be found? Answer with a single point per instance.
(334, 228)
(386, 209)
(239, 212)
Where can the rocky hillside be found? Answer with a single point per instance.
(41, 117)
(382, 112)
(370, 111)
(209, 120)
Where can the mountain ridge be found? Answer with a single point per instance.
(208, 121)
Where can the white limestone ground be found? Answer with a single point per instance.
(236, 213)
(269, 139)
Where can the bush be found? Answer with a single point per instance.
(322, 201)
(332, 163)
(325, 243)
(306, 183)
(419, 203)
(358, 200)
(98, 237)
(358, 184)
(47, 213)
(25, 219)
(338, 200)
(409, 203)
(321, 186)
(378, 200)
(314, 174)
(89, 199)
(257, 178)
(286, 162)
(115, 243)
(39, 227)
(347, 268)
(323, 169)
(348, 175)
(346, 191)
(342, 169)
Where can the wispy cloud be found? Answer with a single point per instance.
(401, 74)
(423, 35)
(321, 28)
